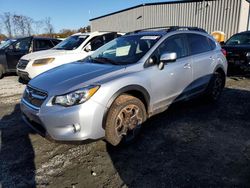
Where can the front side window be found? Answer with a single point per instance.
(22, 44)
(198, 44)
(239, 39)
(124, 50)
(175, 44)
(71, 43)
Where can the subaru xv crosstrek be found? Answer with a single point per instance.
(111, 93)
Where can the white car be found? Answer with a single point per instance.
(74, 48)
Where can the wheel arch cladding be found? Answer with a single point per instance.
(134, 90)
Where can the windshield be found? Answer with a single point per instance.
(6, 44)
(71, 43)
(124, 50)
(239, 39)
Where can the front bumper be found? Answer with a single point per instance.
(77, 123)
(23, 75)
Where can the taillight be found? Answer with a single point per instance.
(224, 52)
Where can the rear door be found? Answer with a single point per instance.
(203, 59)
(18, 49)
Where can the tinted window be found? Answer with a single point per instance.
(96, 43)
(43, 44)
(22, 44)
(212, 44)
(175, 44)
(55, 42)
(109, 37)
(198, 44)
(239, 39)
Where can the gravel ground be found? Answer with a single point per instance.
(192, 144)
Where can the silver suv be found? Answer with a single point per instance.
(111, 93)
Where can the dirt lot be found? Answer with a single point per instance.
(193, 144)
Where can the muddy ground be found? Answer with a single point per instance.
(193, 144)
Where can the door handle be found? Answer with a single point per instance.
(187, 66)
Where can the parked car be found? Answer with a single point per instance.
(12, 51)
(238, 53)
(75, 47)
(117, 88)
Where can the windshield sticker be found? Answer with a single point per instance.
(122, 51)
(149, 37)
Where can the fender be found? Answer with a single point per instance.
(125, 89)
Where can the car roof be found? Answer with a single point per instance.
(244, 32)
(164, 30)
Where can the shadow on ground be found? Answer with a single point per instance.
(17, 168)
(192, 144)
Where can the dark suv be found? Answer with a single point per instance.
(12, 51)
(238, 53)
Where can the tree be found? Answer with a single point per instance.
(48, 26)
(22, 25)
(7, 22)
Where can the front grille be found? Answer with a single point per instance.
(22, 64)
(34, 97)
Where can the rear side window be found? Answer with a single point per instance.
(212, 44)
(55, 42)
(198, 44)
(43, 44)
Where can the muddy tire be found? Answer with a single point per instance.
(124, 120)
(215, 87)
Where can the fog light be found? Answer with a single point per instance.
(76, 128)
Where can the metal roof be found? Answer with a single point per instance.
(149, 4)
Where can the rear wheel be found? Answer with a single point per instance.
(124, 120)
(215, 86)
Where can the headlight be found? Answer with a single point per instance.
(75, 97)
(248, 54)
(45, 61)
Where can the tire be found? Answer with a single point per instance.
(1, 72)
(215, 87)
(124, 120)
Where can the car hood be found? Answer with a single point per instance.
(46, 54)
(70, 77)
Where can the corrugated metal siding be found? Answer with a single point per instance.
(222, 15)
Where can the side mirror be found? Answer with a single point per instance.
(88, 48)
(167, 58)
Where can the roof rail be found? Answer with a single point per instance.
(169, 29)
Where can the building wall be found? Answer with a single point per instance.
(229, 16)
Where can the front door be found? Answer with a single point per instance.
(171, 83)
(16, 51)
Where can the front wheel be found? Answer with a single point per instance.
(215, 87)
(124, 120)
